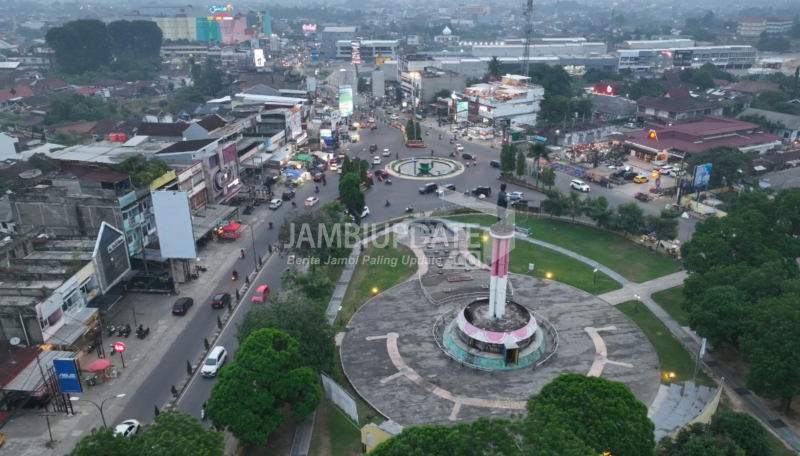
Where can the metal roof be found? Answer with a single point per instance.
(30, 378)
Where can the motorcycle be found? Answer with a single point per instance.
(440, 136)
(241, 254)
(316, 189)
(410, 209)
(426, 133)
(387, 204)
(142, 332)
(235, 275)
(111, 330)
(451, 141)
(126, 331)
(452, 154)
(270, 225)
(120, 330)
(388, 182)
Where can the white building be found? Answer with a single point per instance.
(755, 26)
(724, 57)
(514, 98)
(539, 50)
(9, 147)
(369, 50)
(658, 44)
(447, 37)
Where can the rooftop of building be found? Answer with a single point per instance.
(678, 104)
(785, 120)
(712, 131)
(187, 146)
(340, 30)
(110, 152)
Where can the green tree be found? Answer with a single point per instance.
(80, 46)
(574, 206)
(605, 415)
(555, 204)
(770, 344)
(593, 75)
(538, 151)
(411, 131)
(483, 437)
(103, 442)
(351, 196)
(703, 80)
(495, 67)
(597, 209)
(742, 429)
(522, 165)
(555, 108)
(141, 39)
(444, 93)
(729, 166)
(555, 79)
(694, 440)
(362, 86)
(42, 162)
(642, 87)
(548, 177)
(665, 227)
(722, 317)
(508, 156)
(314, 285)
(266, 375)
(307, 233)
(417, 131)
(629, 219)
(142, 171)
(303, 319)
(160, 438)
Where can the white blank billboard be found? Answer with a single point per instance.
(172, 214)
(258, 58)
(340, 397)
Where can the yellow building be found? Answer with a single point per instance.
(373, 435)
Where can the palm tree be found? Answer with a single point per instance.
(538, 151)
(495, 66)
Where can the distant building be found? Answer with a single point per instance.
(651, 60)
(786, 126)
(606, 108)
(539, 50)
(469, 10)
(370, 49)
(331, 36)
(755, 26)
(447, 37)
(675, 108)
(657, 44)
(422, 86)
(514, 98)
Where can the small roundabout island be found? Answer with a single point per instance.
(461, 339)
(424, 168)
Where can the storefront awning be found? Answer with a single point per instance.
(74, 328)
(30, 378)
(303, 158)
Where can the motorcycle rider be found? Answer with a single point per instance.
(235, 274)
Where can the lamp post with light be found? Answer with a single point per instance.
(594, 279)
(99, 407)
(636, 303)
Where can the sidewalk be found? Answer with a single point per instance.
(27, 433)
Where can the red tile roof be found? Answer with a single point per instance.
(700, 136)
(86, 91)
(19, 92)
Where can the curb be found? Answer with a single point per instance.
(172, 402)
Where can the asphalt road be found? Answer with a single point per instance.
(172, 367)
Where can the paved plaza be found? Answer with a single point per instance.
(390, 356)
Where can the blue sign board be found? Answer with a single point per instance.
(68, 379)
(540, 138)
(702, 174)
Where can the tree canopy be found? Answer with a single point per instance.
(141, 170)
(642, 87)
(313, 234)
(171, 434)
(728, 434)
(729, 165)
(554, 78)
(266, 375)
(351, 196)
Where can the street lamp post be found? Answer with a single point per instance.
(636, 303)
(594, 279)
(253, 239)
(99, 407)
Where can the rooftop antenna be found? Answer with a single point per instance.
(526, 49)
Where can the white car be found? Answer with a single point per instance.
(513, 196)
(376, 160)
(386, 153)
(394, 117)
(363, 214)
(371, 120)
(459, 148)
(275, 203)
(214, 361)
(579, 185)
(311, 201)
(127, 428)
(334, 167)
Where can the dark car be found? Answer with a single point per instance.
(428, 188)
(352, 128)
(221, 300)
(181, 306)
(450, 187)
(483, 190)
(247, 210)
(494, 164)
(288, 195)
(319, 177)
(630, 175)
(467, 156)
(520, 204)
(373, 147)
(322, 167)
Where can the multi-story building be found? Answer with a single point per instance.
(215, 24)
(779, 25)
(331, 37)
(724, 57)
(514, 98)
(422, 86)
(540, 50)
(755, 26)
(676, 108)
(369, 50)
(657, 44)
(480, 10)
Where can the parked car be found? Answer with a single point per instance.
(364, 213)
(482, 190)
(181, 306)
(640, 179)
(261, 294)
(495, 164)
(630, 125)
(428, 188)
(386, 152)
(311, 201)
(288, 195)
(579, 185)
(521, 204)
(221, 300)
(127, 428)
(467, 156)
(214, 361)
(513, 196)
(676, 172)
(275, 203)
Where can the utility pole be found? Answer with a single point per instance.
(526, 49)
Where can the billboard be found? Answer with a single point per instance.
(462, 111)
(341, 398)
(67, 373)
(336, 117)
(295, 123)
(346, 100)
(267, 23)
(311, 84)
(380, 60)
(702, 174)
(378, 84)
(258, 58)
(309, 28)
(110, 256)
(172, 211)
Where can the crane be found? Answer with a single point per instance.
(526, 49)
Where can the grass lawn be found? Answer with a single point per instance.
(563, 268)
(381, 276)
(671, 354)
(625, 257)
(671, 301)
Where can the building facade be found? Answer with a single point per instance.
(331, 36)
(724, 57)
(369, 50)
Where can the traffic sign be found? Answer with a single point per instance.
(119, 347)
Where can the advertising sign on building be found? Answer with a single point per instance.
(67, 373)
(462, 111)
(172, 210)
(258, 58)
(265, 17)
(308, 28)
(295, 122)
(110, 256)
(336, 118)
(702, 174)
(229, 154)
(356, 52)
(346, 100)
(311, 84)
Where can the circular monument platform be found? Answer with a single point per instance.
(397, 355)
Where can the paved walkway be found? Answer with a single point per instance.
(630, 289)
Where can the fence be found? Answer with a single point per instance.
(341, 398)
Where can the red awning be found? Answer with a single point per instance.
(99, 365)
(231, 227)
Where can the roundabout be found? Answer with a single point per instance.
(424, 168)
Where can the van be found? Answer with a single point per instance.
(214, 362)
